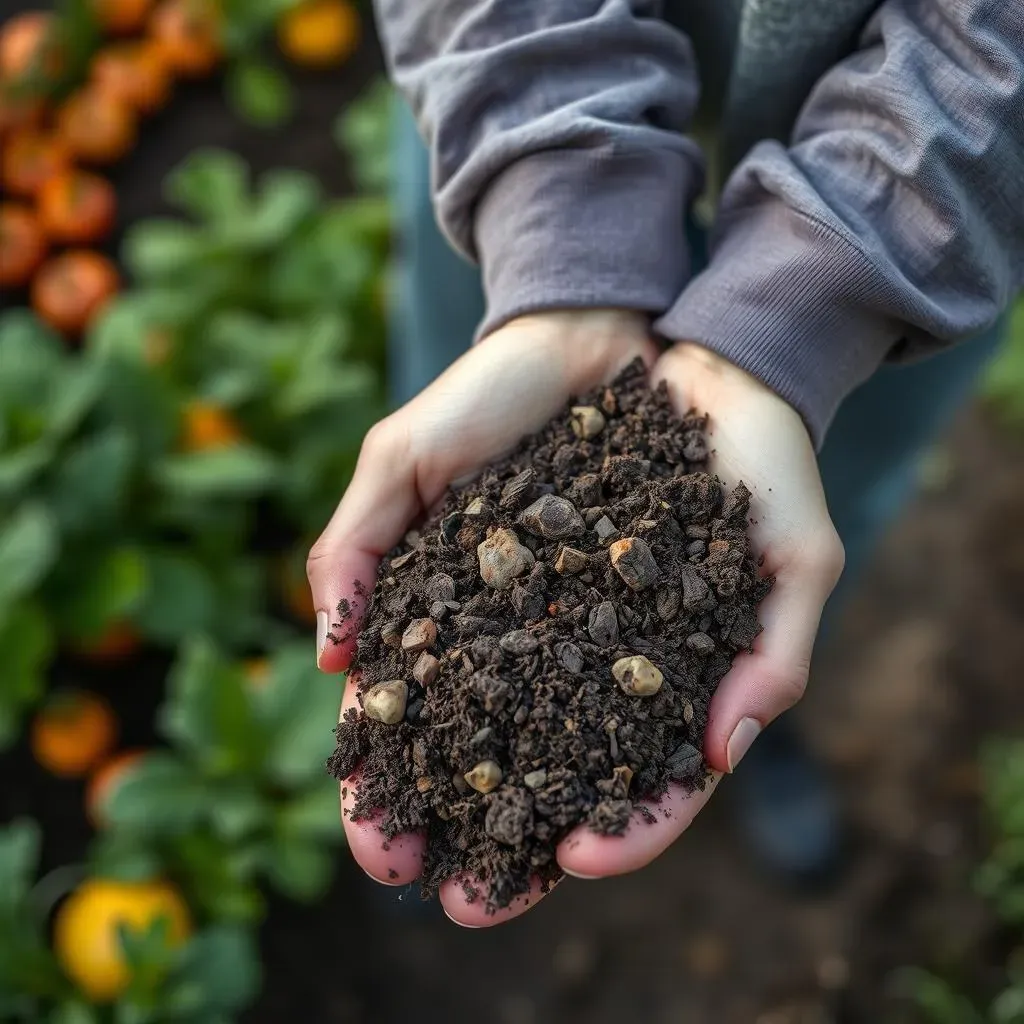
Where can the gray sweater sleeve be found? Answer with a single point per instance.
(892, 225)
(558, 154)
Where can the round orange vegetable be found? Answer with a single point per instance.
(77, 208)
(135, 74)
(30, 159)
(22, 245)
(206, 426)
(72, 288)
(122, 17)
(320, 33)
(87, 926)
(18, 112)
(73, 733)
(117, 642)
(188, 36)
(96, 127)
(105, 780)
(257, 672)
(30, 47)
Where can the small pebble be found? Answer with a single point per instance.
(476, 507)
(606, 531)
(534, 780)
(603, 625)
(426, 669)
(687, 712)
(518, 643)
(515, 492)
(633, 561)
(391, 634)
(502, 559)
(701, 643)
(570, 657)
(570, 561)
(423, 784)
(385, 702)
(695, 548)
(587, 421)
(484, 777)
(666, 601)
(553, 518)
(441, 587)
(419, 635)
(402, 560)
(637, 676)
(695, 590)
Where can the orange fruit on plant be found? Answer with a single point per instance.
(257, 672)
(30, 47)
(105, 779)
(73, 733)
(122, 17)
(206, 426)
(30, 159)
(134, 73)
(96, 127)
(86, 930)
(118, 642)
(18, 112)
(77, 207)
(22, 245)
(188, 36)
(72, 288)
(320, 33)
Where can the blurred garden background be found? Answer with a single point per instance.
(195, 242)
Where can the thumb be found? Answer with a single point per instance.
(370, 520)
(764, 683)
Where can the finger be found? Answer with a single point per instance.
(764, 683)
(372, 517)
(395, 862)
(587, 854)
(468, 906)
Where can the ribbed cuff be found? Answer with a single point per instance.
(791, 302)
(576, 229)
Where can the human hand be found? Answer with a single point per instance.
(507, 387)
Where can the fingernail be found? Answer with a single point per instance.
(579, 874)
(323, 625)
(741, 740)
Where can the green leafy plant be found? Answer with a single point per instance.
(205, 981)
(1000, 880)
(240, 796)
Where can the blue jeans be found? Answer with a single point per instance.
(868, 460)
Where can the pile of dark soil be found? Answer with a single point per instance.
(542, 653)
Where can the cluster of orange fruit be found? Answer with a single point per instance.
(50, 195)
(53, 196)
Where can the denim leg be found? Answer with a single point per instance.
(869, 459)
(437, 301)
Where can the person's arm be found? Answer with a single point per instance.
(893, 224)
(558, 154)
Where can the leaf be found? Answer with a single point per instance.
(212, 185)
(239, 471)
(101, 590)
(260, 94)
(315, 815)
(19, 468)
(208, 712)
(20, 844)
(224, 963)
(29, 543)
(80, 388)
(31, 356)
(122, 854)
(310, 391)
(158, 249)
(27, 642)
(365, 132)
(91, 482)
(180, 599)
(284, 201)
(239, 811)
(300, 709)
(74, 1013)
(143, 404)
(300, 869)
(161, 795)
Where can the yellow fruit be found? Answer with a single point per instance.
(85, 936)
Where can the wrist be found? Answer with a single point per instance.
(583, 346)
